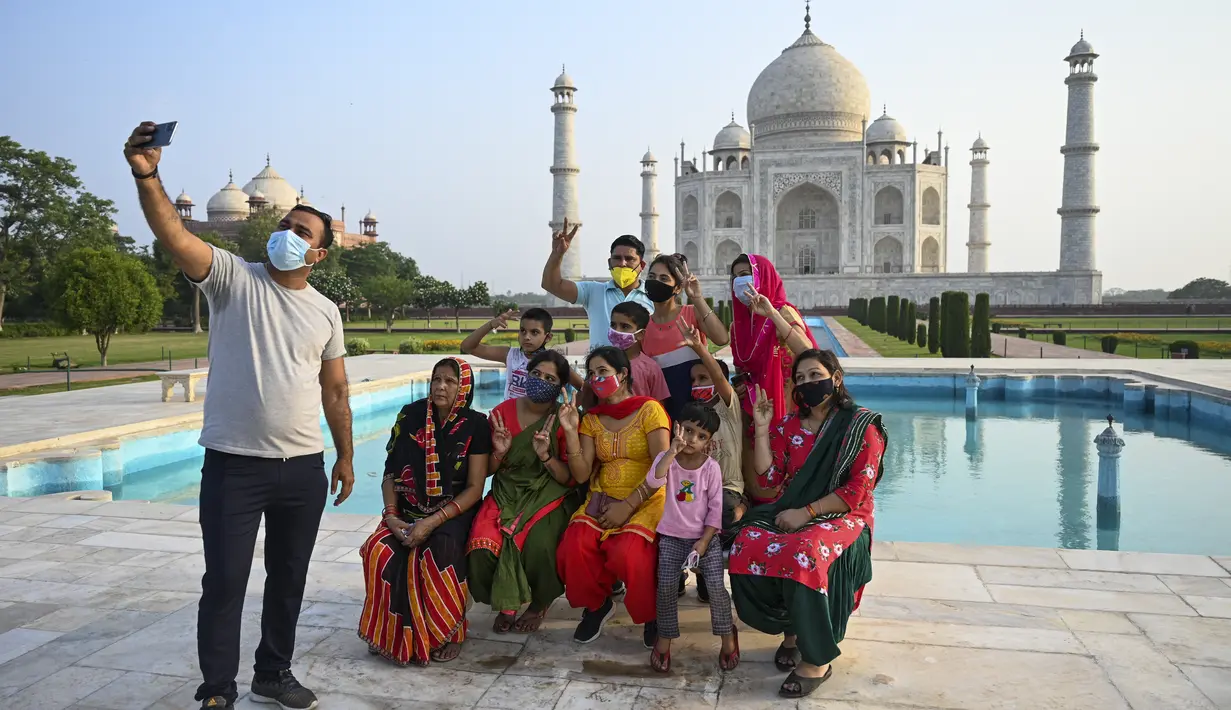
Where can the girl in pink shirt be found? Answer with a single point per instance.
(691, 518)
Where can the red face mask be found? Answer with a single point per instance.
(703, 393)
(604, 387)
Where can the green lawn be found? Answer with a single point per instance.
(1125, 324)
(448, 325)
(61, 386)
(1142, 351)
(886, 345)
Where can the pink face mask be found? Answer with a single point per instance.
(604, 387)
(623, 341)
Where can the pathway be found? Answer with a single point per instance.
(1027, 348)
(98, 610)
(19, 380)
(851, 343)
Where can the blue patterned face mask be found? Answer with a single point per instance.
(541, 391)
(287, 250)
(740, 286)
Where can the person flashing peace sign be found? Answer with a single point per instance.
(512, 549)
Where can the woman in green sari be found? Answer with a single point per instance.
(803, 553)
(512, 549)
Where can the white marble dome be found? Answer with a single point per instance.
(228, 204)
(564, 81)
(733, 137)
(979, 144)
(809, 90)
(273, 187)
(183, 199)
(369, 217)
(1082, 47)
(648, 157)
(887, 129)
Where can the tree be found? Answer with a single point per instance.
(906, 326)
(1204, 289)
(934, 325)
(500, 305)
(42, 208)
(955, 324)
(254, 234)
(430, 292)
(103, 291)
(911, 320)
(981, 327)
(876, 314)
(378, 259)
(387, 294)
(891, 315)
(335, 285)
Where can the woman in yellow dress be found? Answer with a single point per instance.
(612, 537)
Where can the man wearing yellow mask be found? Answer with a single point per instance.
(598, 297)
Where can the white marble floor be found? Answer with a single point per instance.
(98, 610)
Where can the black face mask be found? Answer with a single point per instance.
(812, 394)
(658, 291)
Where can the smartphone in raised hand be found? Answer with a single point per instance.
(161, 137)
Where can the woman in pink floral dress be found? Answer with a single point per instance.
(803, 554)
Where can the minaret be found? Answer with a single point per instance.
(977, 244)
(564, 172)
(649, 205)
(1077, 207)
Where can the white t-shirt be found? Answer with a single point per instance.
(515, 381)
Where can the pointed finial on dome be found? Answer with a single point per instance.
(230, 176)
(885, 109)
(267, 160)
(562, 71)
(1083, 33)
(808, 16)
(732, 117)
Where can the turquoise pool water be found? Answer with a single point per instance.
(1019, 474)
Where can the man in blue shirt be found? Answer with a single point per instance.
(599, 297)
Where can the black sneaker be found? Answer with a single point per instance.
(618, 588)
(216, 701)
(683, 583)
(703, 592)
(592, 622)
(282, 689)
(649, 636)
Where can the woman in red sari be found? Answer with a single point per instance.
(415, 562)
(803, 553)
(766, 331)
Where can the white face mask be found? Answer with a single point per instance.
(287, 250)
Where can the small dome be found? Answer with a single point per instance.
(183, 199)
(369, 217)
(228, 204)
(564, 81)
(256, 196)
(979, 144)
(1082, 47)
(273, 187)
(303, 199)
(648, 157)
(733, 137)
(887, 129)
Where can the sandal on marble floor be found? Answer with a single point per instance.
(785, 659)
(660, 662)
(441, 655)
(503, 622)
(529, 625)
(730, 661)
(797, 686)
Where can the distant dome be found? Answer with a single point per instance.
(1082, 47)
(733, 137)
(257, 196)
(887, 129)
(183, 199)
(369, 217)
(228, 204)
(648, 157)
(564, 81)
(811, 90)
(273, 187)
(303, 200)
(979, 144)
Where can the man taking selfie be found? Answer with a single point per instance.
(275, 355)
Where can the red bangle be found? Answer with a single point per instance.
(390, 510)
(811, 511)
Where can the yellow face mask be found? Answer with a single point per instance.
(624, 276)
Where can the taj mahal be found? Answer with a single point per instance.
(844, 205)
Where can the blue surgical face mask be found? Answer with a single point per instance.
(740, 285)
(287, 250)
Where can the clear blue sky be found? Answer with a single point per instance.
(436, 115)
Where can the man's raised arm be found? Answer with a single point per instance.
(192, 255)
(553, 281)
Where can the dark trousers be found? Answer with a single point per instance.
(235, 492)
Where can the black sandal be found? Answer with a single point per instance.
(805, 686)
(785, 659)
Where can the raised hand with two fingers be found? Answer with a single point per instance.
(542, 439)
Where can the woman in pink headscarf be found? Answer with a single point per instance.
(767, 331)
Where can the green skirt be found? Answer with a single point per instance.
(538, 561)
(776, 606)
